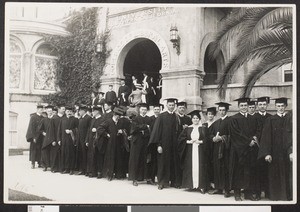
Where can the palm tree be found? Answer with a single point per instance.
(261, 34)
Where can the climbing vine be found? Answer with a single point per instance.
(79, 66)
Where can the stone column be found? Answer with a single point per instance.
(28, 72)
(184, 84)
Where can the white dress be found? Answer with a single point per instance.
(195, 156)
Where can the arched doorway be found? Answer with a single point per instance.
(213, 68)
(143, 57)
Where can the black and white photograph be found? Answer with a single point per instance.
(178, 104)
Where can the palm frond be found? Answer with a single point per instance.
(230, 24)
(275, 19)
(264, 67)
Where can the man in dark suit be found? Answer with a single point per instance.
(123, 94)
(111, 95)
(262, 115)
(83, 126)
(242, 142)
(34, 136)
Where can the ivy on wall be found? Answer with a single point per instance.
(79, 67)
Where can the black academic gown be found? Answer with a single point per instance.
(165, 134)
(111, 96)
(46, 127)
(184, 120)
(263, 165)
(186, 158)
(108, 116)
(95, 154)
(122, 149)
(34, 133)
(55, 156)
(276, 140)
(253, 163)
(140, 132)
(83, 126)
(151, 169)
(239, 166)
(109, 131)
(124, 89)
(68, 142)
(220, 153)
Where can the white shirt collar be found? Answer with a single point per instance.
(244, 114)
(170, 112)
(108, 111)
(224, 117)
(251, 114)
(281, 114)
(143, 115)
(83, 115)
(180, 115)
(114, 119)
(96, 117)
(262, 113)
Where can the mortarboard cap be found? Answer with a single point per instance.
(124, 108)
(118, 111)
(143, 105)
(212, 109)
(264, 99)
(161, 106)
(195, 112)
(171, 100)
(252, 102)
(49, 107)
(242, 100)
(68, 107)
(39, 106)
(96, 107)
(101, 93)
(60, 105)
(223, 104)
(281, 100)
(181, 104)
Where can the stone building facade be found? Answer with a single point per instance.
(139, 41)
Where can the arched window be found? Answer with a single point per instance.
(45, 68)
(15, 64)
(210, 69)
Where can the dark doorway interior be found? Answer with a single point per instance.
(143, 57)
(210, 69)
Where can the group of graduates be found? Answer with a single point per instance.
(249, 153)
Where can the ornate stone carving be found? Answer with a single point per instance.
(139, 15)
(15, 63)
(110, 70)
(45, 73)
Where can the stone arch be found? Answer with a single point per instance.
(207, 39)
(16, 39)
(115, 67)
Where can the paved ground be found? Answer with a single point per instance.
(64, 188)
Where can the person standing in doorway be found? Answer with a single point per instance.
(111, 95)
